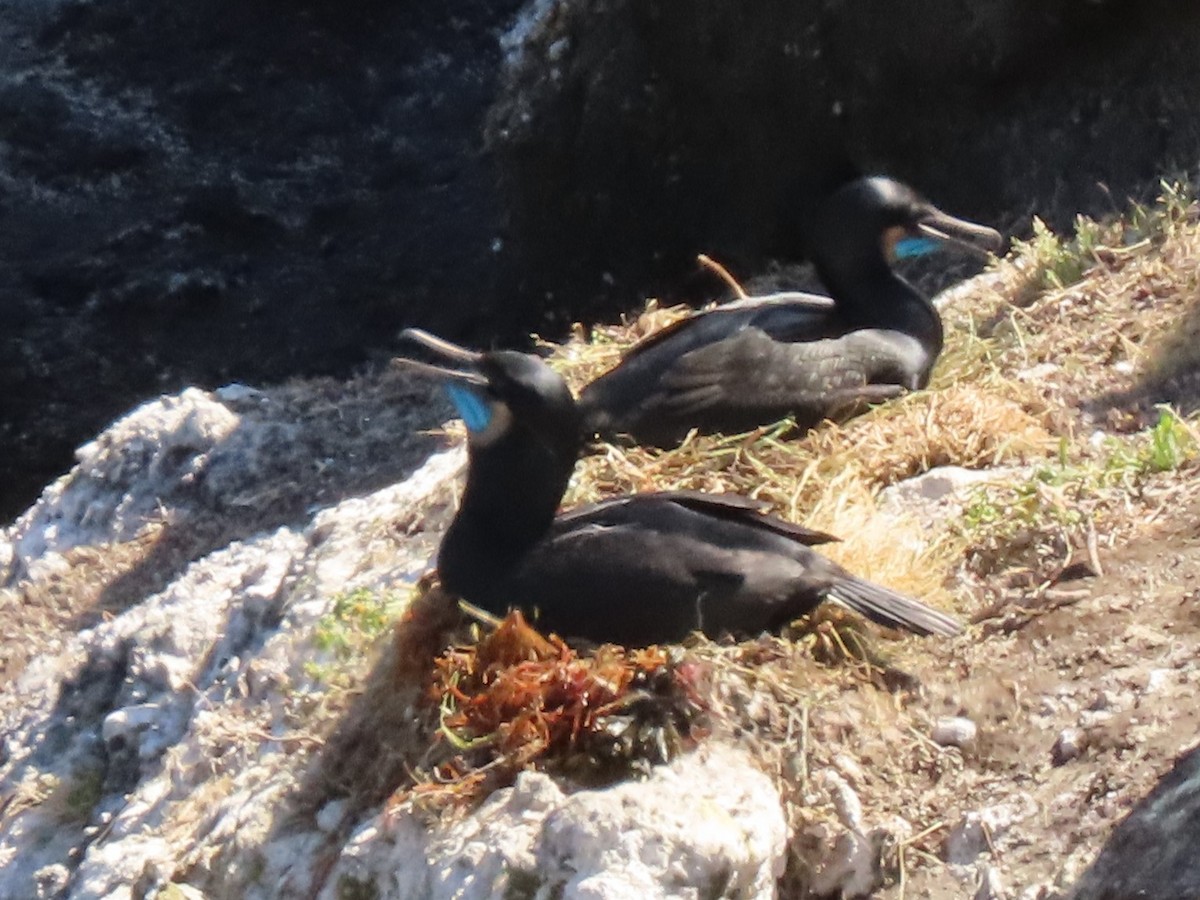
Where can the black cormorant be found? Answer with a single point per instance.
(754, 361)
(636, 570)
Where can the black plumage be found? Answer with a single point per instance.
(640, 569)
(755, 361)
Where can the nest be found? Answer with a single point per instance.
(516, 696)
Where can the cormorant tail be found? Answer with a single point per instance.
(888, 608)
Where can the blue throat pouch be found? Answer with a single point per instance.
(475, 411)
(912, 247)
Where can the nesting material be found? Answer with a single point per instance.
(516, 696)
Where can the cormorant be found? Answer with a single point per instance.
(635, 570)
(754, 361)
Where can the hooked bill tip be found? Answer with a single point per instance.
(978, 239)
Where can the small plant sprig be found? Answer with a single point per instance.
(358, 617)
(1014, 524)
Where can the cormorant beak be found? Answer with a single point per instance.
(945, 228)
(465, 384)
(466, 361)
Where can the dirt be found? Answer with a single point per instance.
(1123, 651)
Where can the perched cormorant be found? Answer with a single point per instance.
(636, 570)
(755, 361)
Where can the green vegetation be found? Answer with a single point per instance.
(1054, 262)
(1012, 524)
(86, 789)
(1164, 447)
(523, 884)
(353, 889)
(355, 622)
(1175, 206)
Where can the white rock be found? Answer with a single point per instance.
(954, 731)
(1093, 718)
(930, 494)
(709, 822)
(124, 725)
(125, 479)
(1157, 679)
(153, 742)
(985, 829)
(1039, 372)
(990, 885)
(238, 393)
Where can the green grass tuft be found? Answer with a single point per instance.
(355, 622)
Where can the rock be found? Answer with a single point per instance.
(1069, 745)
(931, 495)
(984, 829)
(990, 885)
(709, 824)
(123, 745)
(51, 881)
(1159, 678)
(954, 731)
(849, 861)
(166, 227)
(180, 892)
(848, 866)
(145, 463)
(1152, 853)
(944, 481)
(1039, 372)
(1095, 718)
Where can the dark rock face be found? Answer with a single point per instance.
(646, 130)
(204, 191)
(1153, 852)
(208, 191)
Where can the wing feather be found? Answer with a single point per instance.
(769, 379)
(729, 507)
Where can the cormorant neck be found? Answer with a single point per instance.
(869, 294)
(514, 486)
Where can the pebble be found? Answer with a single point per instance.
(1158, 679)
(1069, 745)
(954, 731)
(990, 885)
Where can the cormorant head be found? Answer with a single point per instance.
(876, 217)
(502, 392)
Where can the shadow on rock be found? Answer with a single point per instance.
(187, 474)
(1172, 378)
(1153, 852)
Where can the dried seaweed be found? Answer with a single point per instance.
(517, 697)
